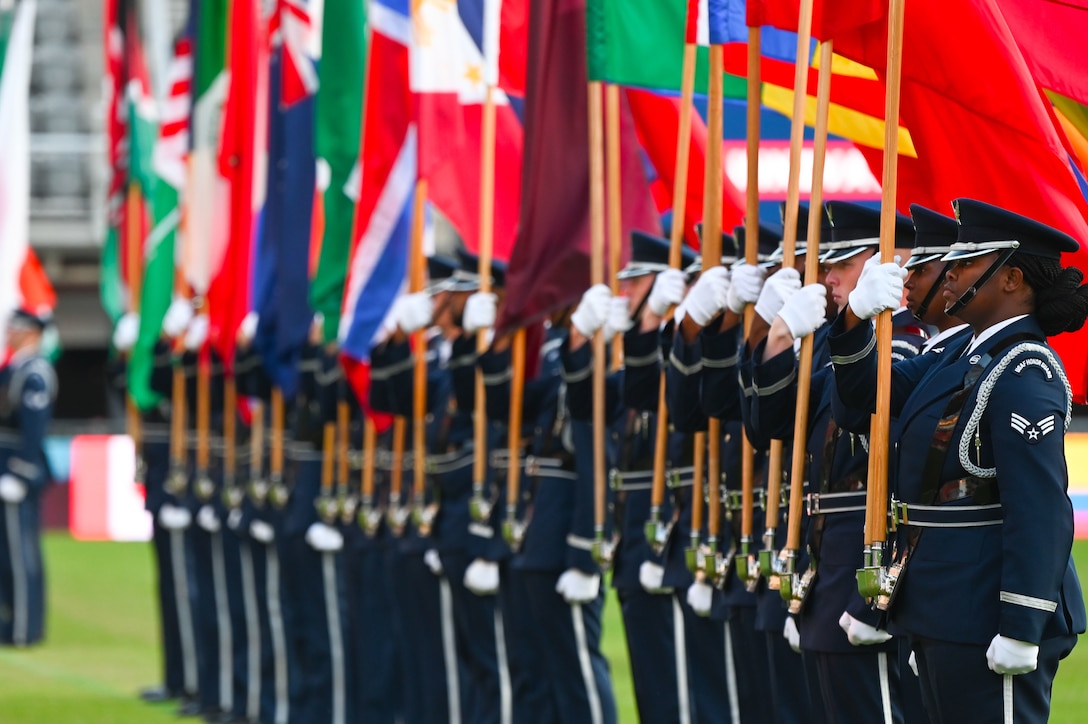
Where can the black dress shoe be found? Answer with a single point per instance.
(157, 694)
(189, 707)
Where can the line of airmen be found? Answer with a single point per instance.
(299, 590)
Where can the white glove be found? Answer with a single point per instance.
(1009, 656)
(805, 311)
(577, 586)
(208, 520)
(912, 662)
(592, 311)
(324, 538)
(197, 332)
(860, 633)
(668, 291)
(247, 330)
(782, 285)
(262, 531)
(700, 596)
(12, 490)
(482, 577)
(652, 577)
(707, 298)
(234, 518)
(433, 562)
(619, 319)
(412, 312)
(791, 634)
(174, 517)
(879, 287)
(480, 311)
(746, 284)
(126, 331)
(177, 317)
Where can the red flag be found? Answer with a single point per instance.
(981, 127)
(550, 264)
(243, 138)
(1051, 35)
(829, 19)
(657, 120)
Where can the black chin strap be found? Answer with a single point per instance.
(967, 296)
(924, 306)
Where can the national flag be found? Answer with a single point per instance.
(640, 44)
(339, 112)
(981, 126)
(296, 25)
(115, 18)
(500, 28)
(15, 151)
(131, 136)
(168, 162)
(243, 139)
(448, 77)
(829, 19)
(379, 253)
(207, 203)
(1050, 34)
(281, 270)
(657, 121)
(550, 264)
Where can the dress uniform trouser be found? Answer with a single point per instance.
(649, 622)
(705, 645)
(486, 689)
(578, 671)
(214, 644)
(375, 633)
(22, 578)
(273, 695)
(526, 639)
(957, 685)
(792, 684)
(429, 667)
(324, 667)
(175, 591)
(747, 662)
(860, 687)
(240, 627)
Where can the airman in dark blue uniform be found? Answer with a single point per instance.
(653, 616)
(28, 388)
(986, 588)
(856, 659)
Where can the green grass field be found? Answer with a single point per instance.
(102, 645)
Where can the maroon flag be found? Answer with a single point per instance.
(549, 267)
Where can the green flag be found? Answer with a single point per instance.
(640, 43)
(336, 144)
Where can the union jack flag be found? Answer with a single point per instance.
(296, 26)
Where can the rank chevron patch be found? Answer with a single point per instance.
(1032, 432)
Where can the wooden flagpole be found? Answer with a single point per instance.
(277, 487)
(876, 501)
(596, 275)
(751, 256)
(512, 529)
(655, 531)
(789, 249)
(419, 347)
(615, 206)
(481, 508)
(812, 265)
(134, 245)
(712, 256)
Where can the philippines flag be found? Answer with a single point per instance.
(455, 56)
(388, 156)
